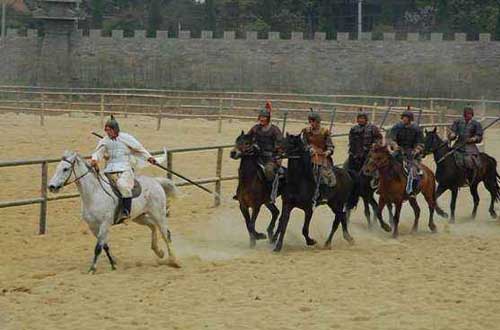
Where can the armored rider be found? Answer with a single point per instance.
(467, 132)
(407, 139)
(319, 142)
(361, 138)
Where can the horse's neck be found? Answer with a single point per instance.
(87, 185)
(394, 170)
(248, 168)
(298, 172)
(440, 152)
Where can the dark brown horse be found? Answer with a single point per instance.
(253, 191)
(450, 176)
(392, 186)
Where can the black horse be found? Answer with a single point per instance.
(300, 190)
(450, 176)
(253, 191)
(366, 191)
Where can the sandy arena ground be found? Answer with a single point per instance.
(448, 280)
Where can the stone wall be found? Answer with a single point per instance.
(414, 65)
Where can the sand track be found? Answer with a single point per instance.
(447, 280)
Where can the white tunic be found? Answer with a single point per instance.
(121, 153)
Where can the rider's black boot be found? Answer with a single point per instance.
(127, 206)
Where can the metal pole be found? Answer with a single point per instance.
(42, 106)
(219, 128)
(102, 109)
(170, 163)
(360, 18)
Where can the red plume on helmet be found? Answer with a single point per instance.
(269, 107)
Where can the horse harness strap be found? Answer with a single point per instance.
(77, 178)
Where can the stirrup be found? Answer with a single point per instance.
(123, 219)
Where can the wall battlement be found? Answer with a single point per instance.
(295, 36)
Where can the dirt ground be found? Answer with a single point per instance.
(448, 280)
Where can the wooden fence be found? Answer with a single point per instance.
(211, 105)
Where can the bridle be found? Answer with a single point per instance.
(432, 150)
(77, 178)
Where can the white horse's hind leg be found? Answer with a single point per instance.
(165, 233)
(154, 241)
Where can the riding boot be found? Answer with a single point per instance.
(127, 205)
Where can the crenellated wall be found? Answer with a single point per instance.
(416, 65)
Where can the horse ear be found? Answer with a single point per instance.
(426, 131)
(242, 133)
(287, 134)
(435, 129)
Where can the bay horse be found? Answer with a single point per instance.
(299, 192)
(450, 177)
(253, 191)
(366, 191)
(99, 203)
(392, 186)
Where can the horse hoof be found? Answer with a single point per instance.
(277, 249)
(310, 242)
(395, 235)
(433, 228)
(172, 262)
(260, 236)
(253, 242)
(386, 227)
(92, 270)
(493, 214)
(349, 240)
(328, 245)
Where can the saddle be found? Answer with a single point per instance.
(136, 192)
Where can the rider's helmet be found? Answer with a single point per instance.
(113, 124)
(408, 114)
(313, 115)
(265, 113)
(362, 114)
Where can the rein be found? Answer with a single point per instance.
(77, 178)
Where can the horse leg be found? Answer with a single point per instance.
(453, 204)
(102, 236)
(285, 217)
(255, 214)
(395, 231)
(167, 237)
(110, 257)
(475, 196)
(275, 214)
(248, 222)
(430, 197)
(491, 186)
(380, 207)
(366, 204)
(305, 229)
(335, 225)
(154, 241)
(416, 210)
(345, 227)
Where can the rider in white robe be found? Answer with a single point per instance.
(121, 152)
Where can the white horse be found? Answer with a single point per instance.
(150, 208)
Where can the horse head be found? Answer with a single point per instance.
(244, 146)
(293, 145)
(432, 141)
(378, 157)
(64, 170)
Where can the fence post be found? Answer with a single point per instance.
(158, 125)
(102, 110)
(219, 128)
(431, 106)
(70, 104)
(125, 106)
(42, 107)
(442, 119)
(374, 111)
(170, 163)
(218, 174)
(18, 94)
(43, 205)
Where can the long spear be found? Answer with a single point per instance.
(174, 173)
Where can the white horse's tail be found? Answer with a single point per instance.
(169, 186)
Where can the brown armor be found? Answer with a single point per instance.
(320, 142)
